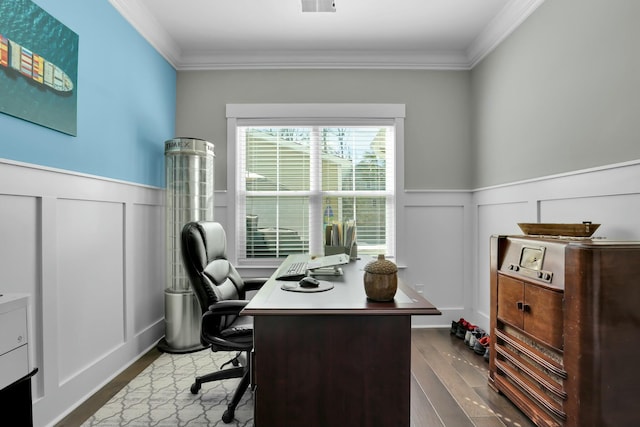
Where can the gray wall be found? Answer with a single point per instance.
(437, 126)
(562, 93)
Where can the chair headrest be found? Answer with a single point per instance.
(208, 242)
(215, 239)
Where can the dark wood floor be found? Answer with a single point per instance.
(95, 402)
(448, 389)
(449, 386)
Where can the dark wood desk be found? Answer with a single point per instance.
(333, 358)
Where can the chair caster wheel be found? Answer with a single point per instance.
(227, 417)
(195, 388)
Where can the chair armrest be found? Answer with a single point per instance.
(254, 283)
(226, 307)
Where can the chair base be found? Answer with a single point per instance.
(225, 374)
(229, 414)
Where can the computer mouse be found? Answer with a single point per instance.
(309, 282)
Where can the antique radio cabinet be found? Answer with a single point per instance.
(565, 329)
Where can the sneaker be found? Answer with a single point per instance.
(475, 336)
(466, 327)
(482, 345)
(454, 327)
(462, 328)
(472, 340)
(468, 332)
(467, 336)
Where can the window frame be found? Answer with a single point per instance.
(392, 114)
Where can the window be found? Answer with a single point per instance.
(298, 177)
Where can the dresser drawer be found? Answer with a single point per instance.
(13, 366)
(13, 329)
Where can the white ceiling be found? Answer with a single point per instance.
(237, 34)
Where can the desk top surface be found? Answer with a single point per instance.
(346, 297)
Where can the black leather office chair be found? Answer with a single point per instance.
(221, 293)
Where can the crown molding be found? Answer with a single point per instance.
(150, 29)
(498, 29)
(296, 59)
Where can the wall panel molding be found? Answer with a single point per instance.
(88, 251)
(442, 239)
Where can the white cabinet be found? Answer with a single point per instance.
(14, 354)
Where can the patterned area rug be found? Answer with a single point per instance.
(160, 396)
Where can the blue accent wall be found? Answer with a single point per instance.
(126, 102)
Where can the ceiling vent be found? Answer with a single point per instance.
(318, 5)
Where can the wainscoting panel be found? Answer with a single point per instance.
(433, 244)
(90, 282)
(436, 265)
(617, 214)
(442, 251)
(90, 253)
(147, 282)
(19, 243)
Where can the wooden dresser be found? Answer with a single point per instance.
(565, 329)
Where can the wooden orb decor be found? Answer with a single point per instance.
(381, 279)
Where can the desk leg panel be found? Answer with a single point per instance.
(332, 370)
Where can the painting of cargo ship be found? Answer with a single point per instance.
(33, 66)
(38, 67)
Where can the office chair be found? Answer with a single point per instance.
(221, 293)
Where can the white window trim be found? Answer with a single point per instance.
(235, 112)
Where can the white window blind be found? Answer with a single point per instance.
(301, 185)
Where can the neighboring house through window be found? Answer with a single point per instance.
(309, 176)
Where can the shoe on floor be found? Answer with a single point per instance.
(454, 327)
(469, 329)
(462, 329)
(481, 345)
(467, 336)
(475, 336)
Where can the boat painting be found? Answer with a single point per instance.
(38, 68)
(33, 66)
